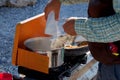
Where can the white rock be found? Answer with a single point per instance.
(17, 3)
(22, 3)
(3, 2)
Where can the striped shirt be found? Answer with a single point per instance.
(104, 29)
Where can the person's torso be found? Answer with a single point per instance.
(107, 53)
(99, 8)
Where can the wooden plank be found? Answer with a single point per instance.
(82, 71)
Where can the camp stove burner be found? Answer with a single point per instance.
(57, 73)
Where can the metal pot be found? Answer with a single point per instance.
(42, 45)
(76, 51)
(56, 58)
(38, 44)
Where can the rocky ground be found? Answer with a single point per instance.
(17, 3)
(9, 17)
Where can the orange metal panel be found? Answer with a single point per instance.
(32, 27)
(15, 46)
(33, 60)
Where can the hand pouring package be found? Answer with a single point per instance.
(53, 29)
(52, 25)
(56, 54)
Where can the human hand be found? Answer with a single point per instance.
(53, 5)
(68, 26)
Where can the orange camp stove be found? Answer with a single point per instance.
(35, 65)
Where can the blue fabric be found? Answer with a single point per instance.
(108, 72)
(116, 5)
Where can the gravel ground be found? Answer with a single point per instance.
(9, 17)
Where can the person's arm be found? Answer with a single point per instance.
(72, 1)
(68, 27)
(75, 26)
(53, 5)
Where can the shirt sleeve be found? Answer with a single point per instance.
(72, 1)
(81, 26)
